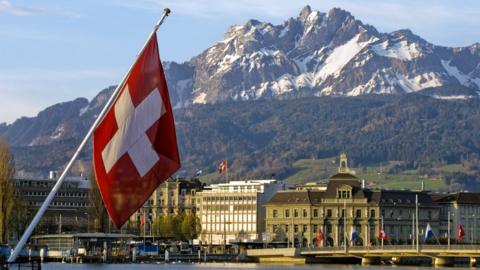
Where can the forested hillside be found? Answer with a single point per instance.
(263, 138)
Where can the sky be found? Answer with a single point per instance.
(55, 50)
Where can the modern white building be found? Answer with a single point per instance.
(234, 211)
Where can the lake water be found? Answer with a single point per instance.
(231, 266)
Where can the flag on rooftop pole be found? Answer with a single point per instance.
(135, 146)
(223, 166)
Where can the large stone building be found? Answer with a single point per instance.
(172, 197)
(463, 209)
(234, 211)
(343, 205)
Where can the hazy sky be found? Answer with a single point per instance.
(53, 51)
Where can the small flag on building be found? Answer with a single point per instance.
(383, 235)
(142, 219)
(222, 167)
(135, 145)
(354, 235)
(428, 232)
(460, 232)
(319, 237)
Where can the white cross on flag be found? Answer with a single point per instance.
(135, 146)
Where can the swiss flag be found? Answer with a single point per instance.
(135, 145)
(460, 232)
(222, 167)
(319, 237)
(383, 235)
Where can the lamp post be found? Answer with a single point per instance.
(382, 228)
(474, 229)
(448, 230)
(88, 221)
(413, 231)
(417, 231)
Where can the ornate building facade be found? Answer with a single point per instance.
(344, 211)
(172, 197)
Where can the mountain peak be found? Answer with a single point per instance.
(305, 12)
(338, 13)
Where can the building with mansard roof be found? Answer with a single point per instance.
(463, 209)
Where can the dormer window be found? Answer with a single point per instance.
(344, 192)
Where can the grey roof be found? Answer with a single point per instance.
(400, 197)
(343, 176)
(296, 197)
(460, 197)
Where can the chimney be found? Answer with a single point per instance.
(53, 175)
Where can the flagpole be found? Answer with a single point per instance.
(383, 229)
(85, 140)
(226, 169)
(448, 224)
(417, 230)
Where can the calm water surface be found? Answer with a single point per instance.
(232, 266)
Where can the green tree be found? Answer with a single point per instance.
(98, 213)
(190, 226)
(7, 189)
(163, 227)
(20, 217)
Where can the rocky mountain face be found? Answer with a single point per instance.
(320, 54)
(313, 54)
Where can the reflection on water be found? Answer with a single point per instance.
(231, 266)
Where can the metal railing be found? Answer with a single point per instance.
(400, 248)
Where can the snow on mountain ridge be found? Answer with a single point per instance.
(319, 53)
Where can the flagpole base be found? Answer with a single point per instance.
(473, 262)
(443, 261)
(371, 260)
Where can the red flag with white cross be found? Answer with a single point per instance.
(222, 167)
(135, 145)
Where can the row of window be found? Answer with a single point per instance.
(43, 184)
(226, 208)
(72, 204)
(315, 213)
(60, 194)
(230, 198)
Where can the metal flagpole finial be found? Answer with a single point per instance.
(166, 11)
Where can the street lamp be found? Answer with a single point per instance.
(474, 229)
(88, 222)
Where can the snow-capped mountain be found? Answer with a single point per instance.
(320, 54)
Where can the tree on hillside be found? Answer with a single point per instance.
(7, 189)
(98, 213)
